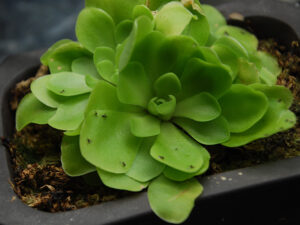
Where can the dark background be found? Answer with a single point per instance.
(34, 24)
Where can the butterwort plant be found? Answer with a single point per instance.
(146, 88)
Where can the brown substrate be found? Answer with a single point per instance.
(40, 181)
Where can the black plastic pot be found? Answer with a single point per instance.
(249, 191)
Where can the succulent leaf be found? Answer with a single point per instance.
(208, 54)
(119, 10)
(266, 77)
(39, 88)
(61, 58)
(248, 40)
(208, 133)
(91, 81)
(104, 97)
(121, 181)
(167, 84)
(198, 28)
(141, 10)
(236, 47)
(104, 53)
(45, 58)
(214, 18)
(276, 119)
(227, 57)
(173, 201)
(31, 110)
(201, 107)
(174, 53)
(184, 154)
(134, 86)
(95, 28)
(269, 62)
(243, 106)
(85, 66)
(123, 30)
(144, 167)
(72, 161)
(172, 18)
(141, 27)
(200, 76)
(72, 133)
(163, 108)
(106, 140)
(70, 114)
(177, 175)
(68, 84)
(248, 73)
(145, 126)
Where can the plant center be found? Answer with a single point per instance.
(162, 107)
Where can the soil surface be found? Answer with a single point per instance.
(40, 182)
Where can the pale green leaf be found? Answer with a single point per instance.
(174, 53)
(70, 114)
(242, 106)
(144, 167)
(214, 17)
(104, 97)
(172, 18)
(145, 125)
(177, 150)
(277, 118)
(248, 40)
(236, 47)
(200, 76)
(248, 73)
(46, 56)
(227, 57)
(141, 27)
(173, 201)
(39, 88)
(72, 161)
(198, 28)
(120, 181)
(119, 10)
(75, 132)
(141, 10)
(85, 66)
(104, 53)
(269, 62)
(208, 133)
(209, 55)
(106, 141)
(146, 52)
(201, 107)
(95, 28)
(177, 175)
(266, 77)
(91, 81)
(167, 84)
(31, 110)
(134, 86)
(123, 30)
(107, 71)
(162, 107)
(61, 58)
(68, 84)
